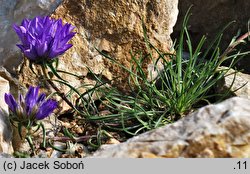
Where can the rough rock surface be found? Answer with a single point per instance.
(5, 128)
(240, 87)
(221, 130)
(115, 28)
(208, 17)
(5, 155)
(15, 11)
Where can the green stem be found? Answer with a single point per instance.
(231, 47)
(92, 144)
(29, 139)
(44, 136)
(54, 147)
(61, 94)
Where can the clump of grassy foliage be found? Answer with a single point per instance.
(181, 86)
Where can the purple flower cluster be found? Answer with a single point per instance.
(44, 38)
(33, 106)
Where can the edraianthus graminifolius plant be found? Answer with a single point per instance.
(31, 108)
(44, 38)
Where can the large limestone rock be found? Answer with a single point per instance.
(221, 130)
(115, 28)
(5, 128)
(15, 11)
(240, 86)
(210, 16)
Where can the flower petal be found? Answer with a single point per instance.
(44, 38)
(29, 53)
(58, 51)
(46, 109)
(31, 98)
(21, 101)
(21, 32)
(41, 49)
(11, 102)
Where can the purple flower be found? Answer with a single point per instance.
(32, 106)
(44, 38)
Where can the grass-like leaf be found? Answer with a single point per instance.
(181, 86)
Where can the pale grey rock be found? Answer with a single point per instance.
(14, 11)
(5, 155)
(240, 86)
(5, 128)
(221, 130)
